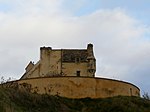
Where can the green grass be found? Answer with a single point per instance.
(12, 100)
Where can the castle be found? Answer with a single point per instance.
(63, 62)
(71, 73)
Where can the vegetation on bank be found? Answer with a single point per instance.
(13, 100)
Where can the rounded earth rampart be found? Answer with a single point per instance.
(79, 87)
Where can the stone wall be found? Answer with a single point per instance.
(80, 87)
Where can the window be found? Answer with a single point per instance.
(91, 70)
(78, 73)
(77, 60)
(131, 91)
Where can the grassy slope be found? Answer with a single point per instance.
(12, 100)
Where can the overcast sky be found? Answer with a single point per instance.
(119, 30)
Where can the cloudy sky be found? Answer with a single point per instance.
(119, 30)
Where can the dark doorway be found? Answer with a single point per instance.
(78, 73)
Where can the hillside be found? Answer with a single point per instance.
(12, 100)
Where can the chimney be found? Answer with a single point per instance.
(90, 51)
(44, 51)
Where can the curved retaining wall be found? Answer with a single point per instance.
(80, 87)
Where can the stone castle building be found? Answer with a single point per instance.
(63, 62)
(71, 73)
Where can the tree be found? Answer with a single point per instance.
(3, 80)
(146, 96)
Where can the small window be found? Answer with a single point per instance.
(131, 91)
(77, 60)
(78, 73)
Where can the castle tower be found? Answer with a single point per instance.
(91, 61)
